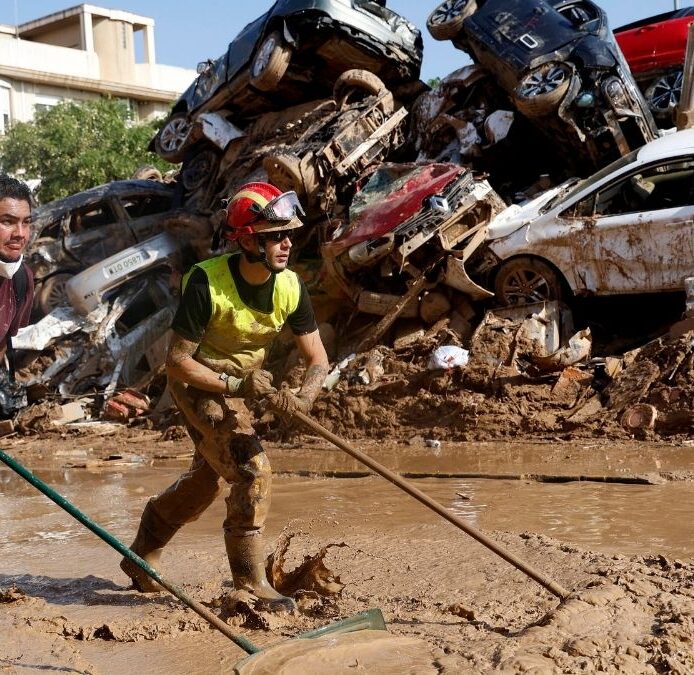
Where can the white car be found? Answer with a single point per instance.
(627, 229)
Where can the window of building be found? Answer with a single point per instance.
(4, 109)
(44, 102)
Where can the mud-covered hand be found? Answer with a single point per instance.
(256, 384)
(288, 403)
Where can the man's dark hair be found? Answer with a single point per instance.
(11, 188)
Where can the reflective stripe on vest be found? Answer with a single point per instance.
(236, 331)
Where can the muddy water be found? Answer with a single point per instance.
(597, 458)
(38, 537)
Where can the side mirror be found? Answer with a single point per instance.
(202, 67)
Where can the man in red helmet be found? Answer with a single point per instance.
(232, 307)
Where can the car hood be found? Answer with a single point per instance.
(393, 194)
(516, 216)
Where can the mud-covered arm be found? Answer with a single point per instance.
(181, 365)
(313, 352)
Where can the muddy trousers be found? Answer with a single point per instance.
(226, 449)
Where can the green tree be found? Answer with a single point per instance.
(75, 146)
(434, 82)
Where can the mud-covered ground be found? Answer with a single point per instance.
(65, 605)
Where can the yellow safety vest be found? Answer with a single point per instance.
(236, 331)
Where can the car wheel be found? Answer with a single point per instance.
(541, 91)
(521, 281)
(148, 172)
(199, 170)
(270, 62)
(447, 19)
(50, 293)
(663, 95)
(284, 171)
(174, 138)
(355, 84)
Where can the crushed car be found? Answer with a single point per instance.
(411, 223)
(559, 63)
(626, 229)
(292, 53)
(654, 48)
(359, 127)
(78, 231)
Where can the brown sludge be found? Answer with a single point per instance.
(64, 602)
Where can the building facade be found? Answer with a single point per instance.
(80, 53)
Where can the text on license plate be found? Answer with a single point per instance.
(125, 264)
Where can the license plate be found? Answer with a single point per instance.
(124, 265)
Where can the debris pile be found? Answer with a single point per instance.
(409, 241)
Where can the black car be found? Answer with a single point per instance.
(559, 62)
(291, 54)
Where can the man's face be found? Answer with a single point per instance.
(277, 246)
(277, 252)
(15, 228)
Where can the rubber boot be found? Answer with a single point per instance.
(247, 562)
(148, 547)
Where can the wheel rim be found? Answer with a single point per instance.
(526, 285)
(174, 134)
(198, 169)
(542, 82)
(263, 57)
(447, 12)
(666, 92)
(54, 294)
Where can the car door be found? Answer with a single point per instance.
(671, 39)
(639, 41)
(642, 230)
(94, 231)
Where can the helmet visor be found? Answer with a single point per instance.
(284, 207)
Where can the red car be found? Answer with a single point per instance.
(654, 48)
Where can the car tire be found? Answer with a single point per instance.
(51, 293)
(199, 169)
(524, 280)
(284, 171)
(541, 91)
(663, 95)
(174, 139)
(148, 172)
(445, 22)
(356, 83)
(270, 62)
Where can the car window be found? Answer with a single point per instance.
(661, 186)
(147, 205)
(375, 8)
(94, 215)
(579, 13)
(581, 209)
(592, 180)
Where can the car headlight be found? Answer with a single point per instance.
(615, 93)
(585, 99)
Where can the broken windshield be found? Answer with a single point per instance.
(592, 180)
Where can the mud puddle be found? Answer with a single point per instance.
(611, 518)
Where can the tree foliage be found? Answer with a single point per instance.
(75, 146)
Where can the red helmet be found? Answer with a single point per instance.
(261, 207)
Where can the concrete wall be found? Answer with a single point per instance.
(67, 35)
(114, 43)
